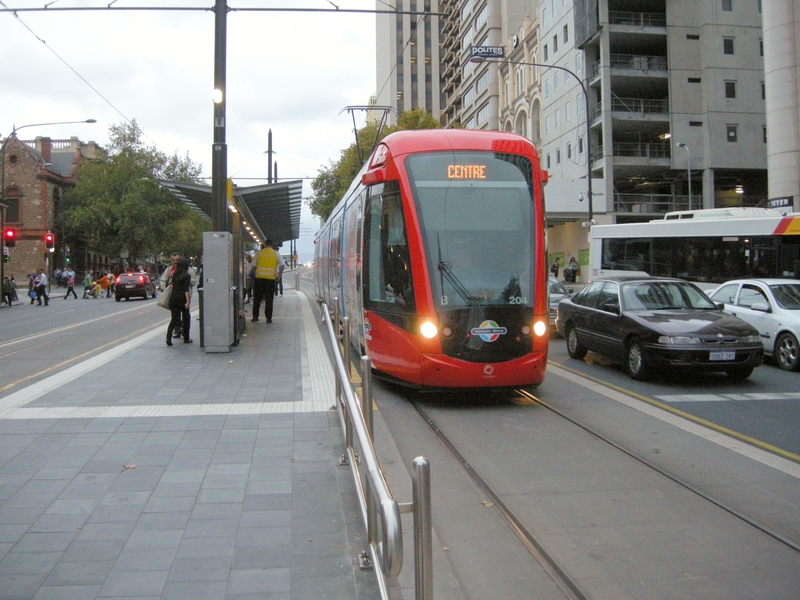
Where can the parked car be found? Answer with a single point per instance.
(772, 306)
(557, 292)
(657, 323)
(134, 285)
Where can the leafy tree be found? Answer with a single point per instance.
(117, 206)
(333, 180)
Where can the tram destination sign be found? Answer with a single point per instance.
(478, 52)
(780, 202)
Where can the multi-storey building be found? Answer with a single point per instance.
(37, 175)
(408, 65)
(677, 102)
(781, 78)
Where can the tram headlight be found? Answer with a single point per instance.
(428, 330)
(540, 328)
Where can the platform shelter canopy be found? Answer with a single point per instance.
(272, 210)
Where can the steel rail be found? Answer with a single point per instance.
(762, 527)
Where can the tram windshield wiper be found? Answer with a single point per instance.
(447, 272)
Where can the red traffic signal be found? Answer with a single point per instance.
(10, 237)
(49, 241)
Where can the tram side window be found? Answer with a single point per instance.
(387, 281)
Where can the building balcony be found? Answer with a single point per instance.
(637, 19)
(655, 204)
(647, 150)
(639, 63)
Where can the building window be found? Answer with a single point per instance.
(558, 118)
(547, 124)
(568, 111)
(566, 34)
(695, 123)
(555, 80)
(694, 80)
(12, 197)
(544, 52)
(763, 91)
(544, 17)
(578, 64)
(558, 156)
(727, 45)
(759, 6)
(569, 150)
(580, 145)
(732, 133)
(764, 132)
(760, 47)
(692, 36)
(727, 5)
(730, 89)
(546, 88)
(555, 44)
(547, 160)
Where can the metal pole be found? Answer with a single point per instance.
(366, 411)
(423, 536)
(219, 154)
(688, 170)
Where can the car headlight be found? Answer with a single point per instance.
(750, 339)
(678, 340)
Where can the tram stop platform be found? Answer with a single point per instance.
(164, 472)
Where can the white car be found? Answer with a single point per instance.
(773, 307)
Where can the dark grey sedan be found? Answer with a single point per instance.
(655, 323)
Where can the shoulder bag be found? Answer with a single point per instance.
(163, 299)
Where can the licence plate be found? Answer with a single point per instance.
(133, 285)
(730, 355)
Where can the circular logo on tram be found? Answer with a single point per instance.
(489, 331)
(488, 369)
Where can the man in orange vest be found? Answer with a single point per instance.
(269, 268)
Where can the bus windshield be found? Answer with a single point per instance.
(475, 211)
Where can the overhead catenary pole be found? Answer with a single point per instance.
(219, 153)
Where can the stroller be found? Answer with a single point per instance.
(96, 291)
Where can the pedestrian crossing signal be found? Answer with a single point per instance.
(10, 237)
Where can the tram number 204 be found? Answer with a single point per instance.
(518, 300)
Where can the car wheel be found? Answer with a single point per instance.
(787, 353)
(117, 298)
(635, 363)
(739, 373)
(574, 347)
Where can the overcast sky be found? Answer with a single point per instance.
(292, 72)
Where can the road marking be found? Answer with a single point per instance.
(65, 327)
(759, 451)
(728, 397)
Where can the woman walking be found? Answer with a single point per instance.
(179, 301)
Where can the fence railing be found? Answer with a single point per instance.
(655, 203)
(638, 19)
(379, 508)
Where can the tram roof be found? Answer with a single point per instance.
(272, 210)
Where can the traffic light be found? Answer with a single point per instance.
(6, 255)
(50, 242)
(10, 237)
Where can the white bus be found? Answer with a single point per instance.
(704, 246)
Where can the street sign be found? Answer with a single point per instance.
(487, 52)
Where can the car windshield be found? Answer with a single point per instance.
(557, 288)
(664, 295)
(787, 295)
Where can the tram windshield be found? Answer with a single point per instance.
(475, 211)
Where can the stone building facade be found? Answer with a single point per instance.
(36, 176)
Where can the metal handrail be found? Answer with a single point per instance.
(379, 509)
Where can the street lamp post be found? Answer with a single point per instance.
(588, 121)
(13, 133)
(688, 170)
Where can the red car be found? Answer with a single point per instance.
(134, 285)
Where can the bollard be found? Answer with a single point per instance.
(423, 536)
(297, 280)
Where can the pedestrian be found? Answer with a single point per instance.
(88, 283)
(32, 287)
(249, 276)
(269, 268)
(14, 295)
(7, 291)
(70, 276)
(104, 284)
(166, 278)
(279, 280)
(41, 288)
(180, 300)
(554, 268)
(573, 270)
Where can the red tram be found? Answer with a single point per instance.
(437, 254)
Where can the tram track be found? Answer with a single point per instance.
(529, 539)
